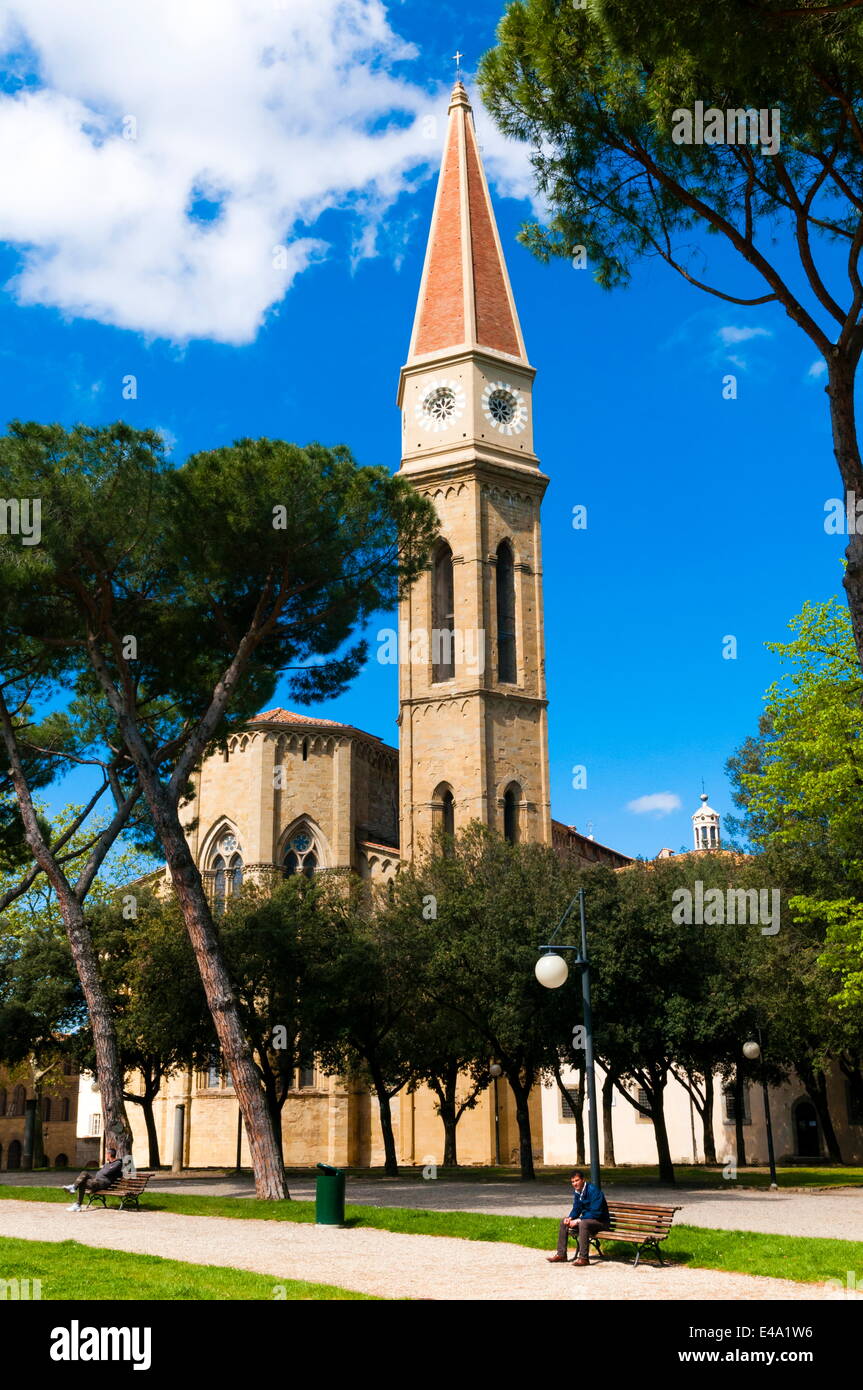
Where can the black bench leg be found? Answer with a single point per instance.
(598, 1247)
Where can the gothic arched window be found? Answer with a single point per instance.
(226, 872)
(301, 855)
(506, 662)
(511, 801)
(2, 1102)
(19, 1095)
(443, 813)
(443, 616)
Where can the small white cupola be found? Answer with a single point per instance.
(705, 826)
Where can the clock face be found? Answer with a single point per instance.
(504, 407)
(301, 842)
(441, 404)
(229, 844)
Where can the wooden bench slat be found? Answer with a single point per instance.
(639, 1223)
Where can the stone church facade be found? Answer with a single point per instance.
(309, 794)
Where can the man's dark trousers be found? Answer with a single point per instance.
(586, 1228)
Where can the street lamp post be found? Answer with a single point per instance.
(552, 971)
(753, 1050)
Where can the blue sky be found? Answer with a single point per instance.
(705, 515)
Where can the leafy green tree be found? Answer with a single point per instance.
(172, 601)
(363, 976)
(263, 935)
(799, 787)
(496, 903)
(598, 90)
(445, 1053)
(161, 1017)
(67, 862)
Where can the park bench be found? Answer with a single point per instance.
(638, 1223)
(127, 1189)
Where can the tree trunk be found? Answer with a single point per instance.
(840, 390)
(267, 1164)
(660, 1130)
(707, 1117)
(153, 1158)
(522, 1115)
(391, 1162)
(816, 1088)
(579, 1118)
(449, 1118)
(109, 1074)
(608, 1158)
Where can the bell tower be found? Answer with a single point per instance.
(474, 740)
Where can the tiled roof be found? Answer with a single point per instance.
(287, 716)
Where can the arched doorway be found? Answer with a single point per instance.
(806, 1136)
(14, 1159)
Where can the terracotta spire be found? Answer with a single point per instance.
(465, 298)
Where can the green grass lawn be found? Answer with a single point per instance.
(803, 1258)
(688, 1175)
(693, 1175)
(69, 1270)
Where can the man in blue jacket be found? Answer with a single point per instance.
(589, 1214)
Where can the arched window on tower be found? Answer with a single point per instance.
(443, 616)
(506, 654)
(301, 855)
(443, 815)
(511, 804)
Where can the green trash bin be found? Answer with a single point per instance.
(329, 1196)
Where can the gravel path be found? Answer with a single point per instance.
(385, 1263)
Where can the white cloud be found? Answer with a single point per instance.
(818, 368)
(730, 334)
(274, 110)
(657, 804)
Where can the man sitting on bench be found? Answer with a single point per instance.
(107, 1175)
(589, 1214)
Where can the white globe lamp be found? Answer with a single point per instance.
(551, 970)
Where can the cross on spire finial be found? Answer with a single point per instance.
(457, 57)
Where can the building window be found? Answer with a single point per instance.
(19, 1095)
(70, 1068)
(511, 801)
(65, 1108)
(61, 1161)
(443, 814)
(731, 1106)
(569, 1103)
(46, 1107)
(227, 879)
(505, 583)
(96, 1123)
(301, 855)
(2, 1102)
(14, 1159)
(305, 1078)
(643, 1099)
(443, 616)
